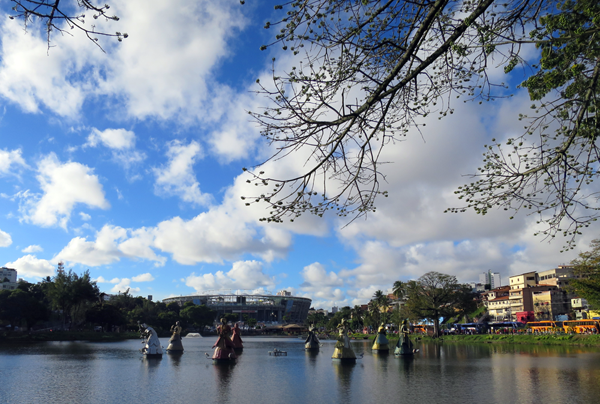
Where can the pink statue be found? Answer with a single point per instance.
(224, 347)
(238, 344)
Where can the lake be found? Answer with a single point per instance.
(82, 372)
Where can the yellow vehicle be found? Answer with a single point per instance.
(582, 326)
(544, 326)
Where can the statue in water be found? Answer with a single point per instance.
(150, 339)
(238, 344)
(404, 345)
(343, 351)
(312, 342)
(224, 349)
(175, 345)
(381, 343)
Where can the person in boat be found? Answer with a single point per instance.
(224, 348)
(312, 341)
(237, 337)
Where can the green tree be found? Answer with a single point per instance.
(106, 315)
(18, 307)
(375, 68)
(68, 292)
(587, 267)
(435, 295)
(198, 316)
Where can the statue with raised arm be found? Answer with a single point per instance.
(224, 350)
(343, 351)
(381, 343)
(175, 343)
(404, 345)
(312, 341)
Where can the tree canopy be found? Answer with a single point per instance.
(587, 267)
(435, 295)
(369, 71)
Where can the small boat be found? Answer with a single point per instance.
(193, 335)
(277, 352)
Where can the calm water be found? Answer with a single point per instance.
(79, 372)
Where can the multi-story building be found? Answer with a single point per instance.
(557, 276)
(8, 278)
(498, 303)
(547, 304)
(490, 278)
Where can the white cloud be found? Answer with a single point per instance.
(144, 81)
(315, 276)
(243, 275)
(178, 177)
(5, 239)
(112, 243)
(118, 139)
(9, 160)
(147, 277)
(32, 249)
(31, 266)
(64, 186)
(84, 216)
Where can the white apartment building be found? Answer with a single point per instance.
(8, 278)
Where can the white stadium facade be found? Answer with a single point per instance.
(261, 307)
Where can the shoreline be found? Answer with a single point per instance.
(520, 339)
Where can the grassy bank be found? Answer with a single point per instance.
(575, 339)
(69, 336)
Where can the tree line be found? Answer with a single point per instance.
(70, 301)
(432, 297)
(436, 297)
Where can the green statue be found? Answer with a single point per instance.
(404, 345)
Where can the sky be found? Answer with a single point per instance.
(129, 164)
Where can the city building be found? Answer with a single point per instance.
(547, 304)
(557, 276)
(490, 278)
(497, 302)
(524, 280)
(261, 307)
(8, 278)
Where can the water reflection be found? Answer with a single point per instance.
(106, 373)
(343, 372)
(223, 373)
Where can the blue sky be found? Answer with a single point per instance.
(129, 163)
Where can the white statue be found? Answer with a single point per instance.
(152, 343)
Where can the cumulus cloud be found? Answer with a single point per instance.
(147, 277)
(112, 243)
(242, 275)
(84, 216)
(118, 139)
(10, 160)
(31, 266)
(144, 81)
(6, 240)
(315, 276)
(32, 249)
(177, 178)
(64, 185)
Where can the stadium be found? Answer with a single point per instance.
(264, 308)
